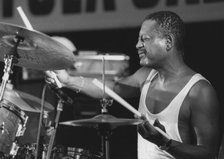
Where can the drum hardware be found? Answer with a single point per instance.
(22, 128)
(2, 128)
(9, 58)
(31, 49)
(104, 133)
(104, 122)
(14, 148)
(63, 98)
(43, 116)
(13, 124)
(35, 50)
(26, 102)
(56, 122)
(19, 133)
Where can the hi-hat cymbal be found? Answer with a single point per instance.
(102, 120)
(36, 50)
(25, 101)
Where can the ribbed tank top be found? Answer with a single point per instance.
(167, 117)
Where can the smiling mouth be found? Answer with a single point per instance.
(141, 54)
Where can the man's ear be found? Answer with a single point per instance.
(169, 42)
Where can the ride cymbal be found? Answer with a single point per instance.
(102, 120)
(35, 50)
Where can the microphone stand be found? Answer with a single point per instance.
(43, 114)
(51, 142)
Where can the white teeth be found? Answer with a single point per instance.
(141, 55)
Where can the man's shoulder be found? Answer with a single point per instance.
(142, 74)
(200, 87)
(144, 71)
(203, 94)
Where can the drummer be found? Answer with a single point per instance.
(173, 97)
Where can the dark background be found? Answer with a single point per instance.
(204, 53)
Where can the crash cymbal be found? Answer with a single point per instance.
(102, 120)
(34, 102)
(24, 101)
(36, 50)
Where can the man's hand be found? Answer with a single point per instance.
(150, 133)
(61, 75)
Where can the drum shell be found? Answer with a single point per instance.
(12, 119)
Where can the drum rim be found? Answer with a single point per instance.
(15, 109)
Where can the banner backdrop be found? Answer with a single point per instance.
(73, 15)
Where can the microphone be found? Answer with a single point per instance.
(61, 94)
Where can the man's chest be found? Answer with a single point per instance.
(159, 96)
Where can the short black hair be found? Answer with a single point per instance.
(169, 23)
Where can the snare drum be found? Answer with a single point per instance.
(12, 126)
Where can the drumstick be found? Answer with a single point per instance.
(124, 103)
(24, 18)
(29, 26)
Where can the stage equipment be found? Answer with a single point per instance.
(33, 49)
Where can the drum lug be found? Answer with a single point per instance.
(14, 149)
(2, 127)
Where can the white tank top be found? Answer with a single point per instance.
(168, 117)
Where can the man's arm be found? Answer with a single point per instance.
(204, 107)
(204, 121)
(126, 87)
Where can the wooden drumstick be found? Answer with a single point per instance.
(24, 18)
(116, 97)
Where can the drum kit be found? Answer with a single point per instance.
(32, 49)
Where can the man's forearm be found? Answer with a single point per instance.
(85, 85)
(186, 151)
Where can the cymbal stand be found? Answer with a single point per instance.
(104, 132)
(9, 59)
(104, 102)
(43, 116)
(51, 142)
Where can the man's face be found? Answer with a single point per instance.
(151, 47)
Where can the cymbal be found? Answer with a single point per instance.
(34, 102)
(102, 120)
(25, 101)
(37, 50)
